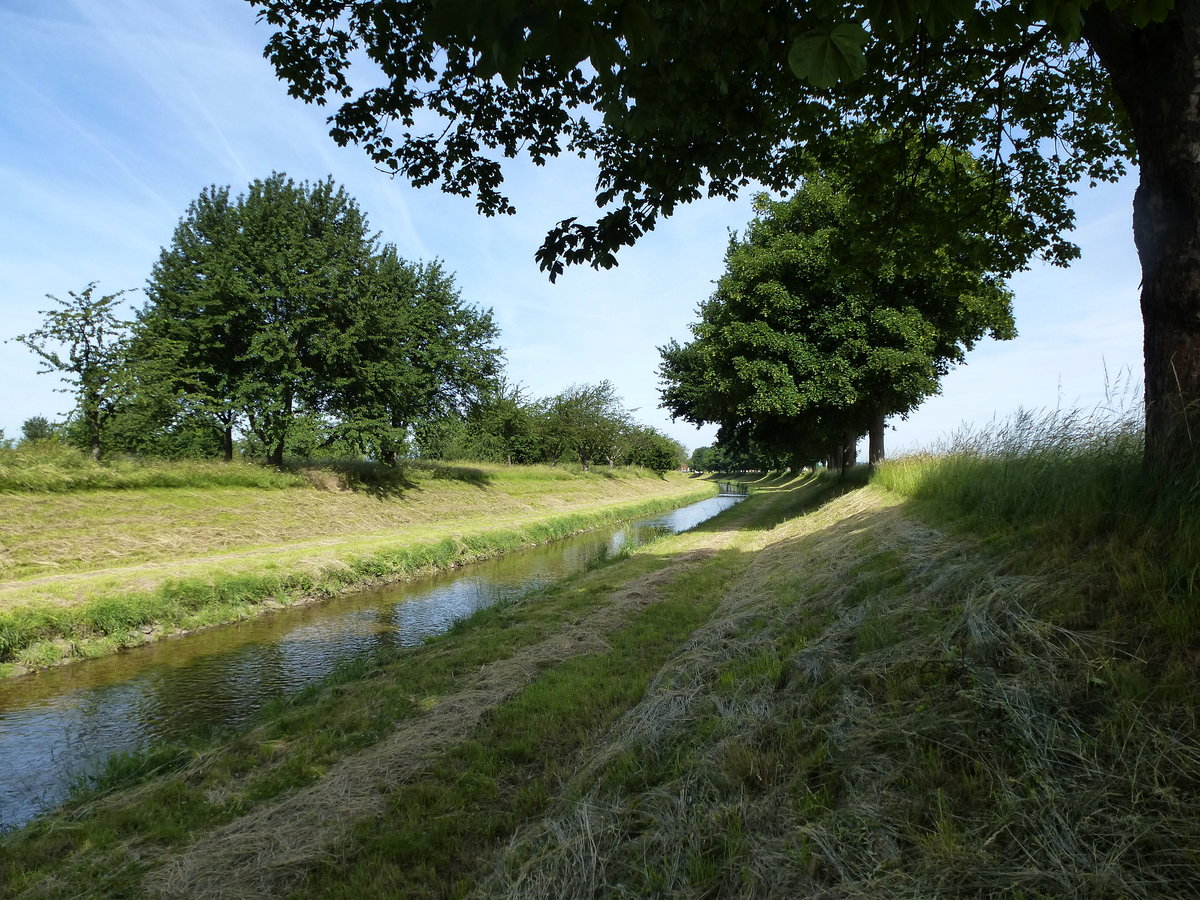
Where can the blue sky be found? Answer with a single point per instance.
(114, 114)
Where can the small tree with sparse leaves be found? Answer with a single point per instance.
(85, 341)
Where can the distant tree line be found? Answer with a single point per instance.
(277, 324)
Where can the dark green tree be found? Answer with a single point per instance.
(649, 448)
(36, 429)
(279, 307)
(408, 350)
(196, 327)
(802, 347)
(677, 99)
(86, 342)
(502, 425)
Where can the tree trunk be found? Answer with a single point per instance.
(834, 463)
(227, 443)
(875, 441)
(849, 451)
(276, 456)
(1156, 73)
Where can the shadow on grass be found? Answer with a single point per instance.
(375, 479)
(382, 481)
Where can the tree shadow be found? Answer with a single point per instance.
(360, 476)
(467, 474)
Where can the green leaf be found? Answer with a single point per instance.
(898, 16)
(824, 57)
(939, 15)
(1067, 22)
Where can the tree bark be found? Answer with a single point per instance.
(227, 443)
(875, 441)
(849, 452)
(835, 458)
(1155, 71)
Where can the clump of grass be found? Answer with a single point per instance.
(51, 467)
(1068, 491)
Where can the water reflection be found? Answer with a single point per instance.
(61, 725)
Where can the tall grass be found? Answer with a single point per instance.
(1069, 488)
(48, 466)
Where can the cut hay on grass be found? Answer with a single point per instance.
(874, 711)
(269, 851)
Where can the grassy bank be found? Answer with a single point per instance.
(89, 571)
(964, 679)
(510, 697)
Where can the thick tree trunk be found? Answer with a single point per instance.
(849, 452)
(1156, 72)
(875, 441)
(227, 443)
(834, 463)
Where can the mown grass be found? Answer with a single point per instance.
(877, 709)
(49, 534)
(40, 634)
(117, 825)
(1067, 491)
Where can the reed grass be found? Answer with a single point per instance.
(51, 467)
(1068, 491)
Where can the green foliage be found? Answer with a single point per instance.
(277, 310)
(585, 422)
(86, 342)
(802, 344)
(679, 100)
(38, 428)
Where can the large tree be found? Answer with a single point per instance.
(408, 350)
(279, 305)
(676, 99)
(585, 421)
(803, 346)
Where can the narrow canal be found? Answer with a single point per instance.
(61, 725)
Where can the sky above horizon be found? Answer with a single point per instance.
(114, 115)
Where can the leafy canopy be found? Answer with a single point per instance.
(801, 343)
(678, 99)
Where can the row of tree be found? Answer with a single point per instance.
(277, 321)
(586, 423)
(831, 317)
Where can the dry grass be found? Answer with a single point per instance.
(268, 852)
(62, 547)
(876, 712)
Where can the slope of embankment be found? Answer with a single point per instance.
(97, 558)
(824, 691)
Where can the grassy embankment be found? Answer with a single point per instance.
(93, 558)
(975, 676)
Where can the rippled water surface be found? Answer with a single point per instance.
(61, 725)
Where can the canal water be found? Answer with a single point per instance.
(61, 725)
